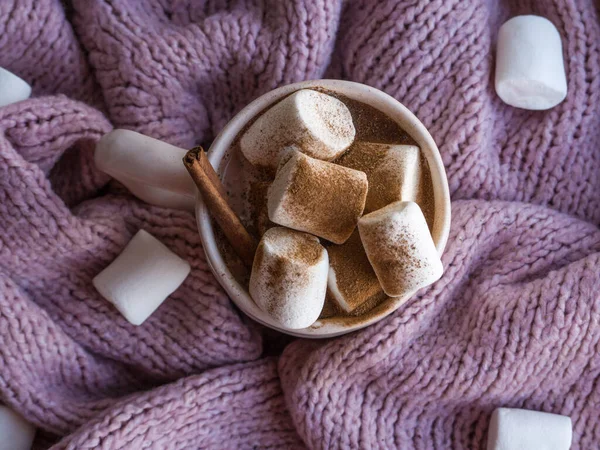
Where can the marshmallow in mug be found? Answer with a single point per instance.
(12, 88)
(530, 72)
(141, 277)
(15, 432)
(400, 248)
(318, 124)
(151, 169)
(393, 171)
(517, 429)
(352, 282)
(317, 197)
(289, 277)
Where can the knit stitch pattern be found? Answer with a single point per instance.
(513, 322)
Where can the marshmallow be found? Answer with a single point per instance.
(141, 277)
(12, 88)
(289, 277)
(519, 429)
(151, 169)
(393, 171)
(400, 248)
(318, 124)
(318, 197)
(530, 72)
(15, 432)
(352, 282)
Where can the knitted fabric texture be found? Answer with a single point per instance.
(513, 322)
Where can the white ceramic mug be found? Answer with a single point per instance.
(389, 106)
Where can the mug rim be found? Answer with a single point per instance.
(325, 328)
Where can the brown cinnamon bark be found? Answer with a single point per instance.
(215, 198)
(210, 172)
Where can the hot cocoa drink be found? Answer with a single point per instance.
(320, 173)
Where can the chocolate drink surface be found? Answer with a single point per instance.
(247, 187)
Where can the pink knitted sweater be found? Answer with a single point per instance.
(515, 320)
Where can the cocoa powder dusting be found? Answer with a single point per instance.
(362, 156)
(383, 306)
(306, 251)
(425, 198)
(235, 265)
(327, 198)
(366, 157)
(355, 278)
(257, 202)
(329, 308)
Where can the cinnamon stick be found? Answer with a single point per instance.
(210, 171)
(215, 198)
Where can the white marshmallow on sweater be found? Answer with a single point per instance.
(151, 169)
(289, 277)
(141, 277)
(15, 432)
(318, 124)
(530, 72)
(519, 429)
(12, 88)
(399, 246)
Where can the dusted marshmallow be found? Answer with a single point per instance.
(141, 277)
(352, 283)
(15, 432)
(289, 277)
(400, 248)
(318, 124)
(318, 197)
(519, 429)
(12, 88)
(393, 171)
(530, 71)
(151, 169)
